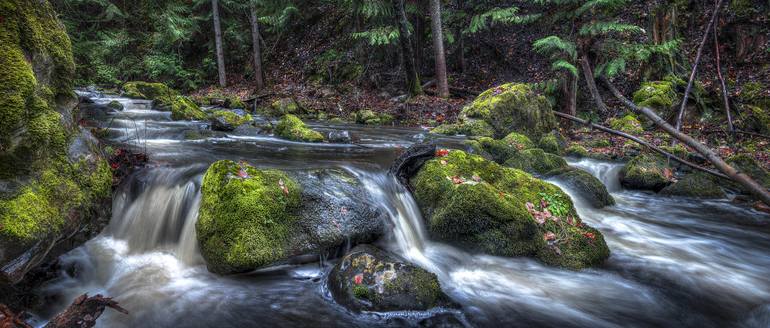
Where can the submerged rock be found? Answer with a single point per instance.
(370, 279)
(587, 186)
(646, 172)
(339, 136)
(225, 120)
(251, 218)
(115, 105)
(482, 206)
(292, 128)
(697, 184)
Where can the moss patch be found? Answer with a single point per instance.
(628, 124)
(245, 216)
(513, 107)
(231, 118)
(466, 127)
(659, 95)
(482, 206)
(646, 172)
(369, 117)
(183, 108)
(746, 164)
(536, 160)
(551, 143)
(576, 150)
(292, 128)
(698, 184)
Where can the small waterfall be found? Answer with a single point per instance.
(158, 208)
(607, 173)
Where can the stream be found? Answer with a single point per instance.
(675, 262)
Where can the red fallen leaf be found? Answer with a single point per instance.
(358, 279)
(443, 162)
(570, 220)
(442, 152)
(668, 174)
(114, 166)
(501, 194)
(589, 235)
(283, 187)
(457, 180)
(549, 236)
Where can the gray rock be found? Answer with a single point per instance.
(339, 136)
(587, 186)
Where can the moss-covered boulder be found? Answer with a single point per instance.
(369, 117)
(292, 128)
(513, 107)
(284, 106)
(481, 206)
(576, 150)
(370, 279)
(536, 161)
(746, 164)
(251, 218)
(183, 108)
(628, 124)
(54, 184)
(754, 119)
(165, 99)
(658, 95)
(225, 120)
(217, 97)
(552, 142)
(465, 127)
(697, 185)
(586, 186)
(646, 172)
(115, 105)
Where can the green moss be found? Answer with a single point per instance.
(698, 184)
(362, 292)
(217, 97)
(551, 143)
(678, 150)
(587, 186)
(487, 211)
(754, 118)
(369, 117)
(746, 164)
(519, 141)
(496, 150)
(536, 160)
(284, 106)
(116, 105)
(159, 92)
(292, 128)
(231, 118)
(245, 216)
(513, 108)
(628, 124)
(576, 151)
(467, 127)
(601, 143)
(645, 172)
(658, 95)
(183, 108)
(420, 284)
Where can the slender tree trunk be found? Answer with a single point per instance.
(412, 78)
(460, 41)
(258, 77)
(438, 48)
(694, 71)
(737, 176)
(218, 41)
(725, 96)
(419, 32)
(588, 74)
(572, 87)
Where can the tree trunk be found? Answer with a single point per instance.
(739, 177)
(461, 41)
(419, 33)
(725, 96)
(438, 48)
(412, 78)
(680, 117)
(218, 41)
(588, 74)
(258, 77)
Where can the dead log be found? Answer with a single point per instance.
(83, 312)
(744, 180)
(641, 142)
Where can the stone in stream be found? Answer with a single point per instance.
(227, 120)
(481, 206)
(339, 136)
(165, 99)
(251, 218)
(646, 172)
(536, 161)
(370, 279)
(696, 184)
(587, 186)
(292, 128)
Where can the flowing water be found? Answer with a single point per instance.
(675, 262)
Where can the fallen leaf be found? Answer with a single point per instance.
(442, 152)
(283, 187)
(549, 236)
(358, 279)
(457, 179)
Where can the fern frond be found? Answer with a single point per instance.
(554, 45)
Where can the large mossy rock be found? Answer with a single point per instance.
(646, 172)
(628, 124)
(369, 117)
(536, 161)
(225, 120)
(697, 185)
(746, 164)
(166, 99)
(465, 127)
(292, 128)
(251, 218)
(513, 107)
(586, 186)
(370, 279)
(481, 206)
(55, 186)
(658, 95)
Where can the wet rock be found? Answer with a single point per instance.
(369, 117)
(482, 206)
(536, 161)
(291, 127)
(115, 105)
(588, 187)
(500, 150)
(339, 136)
(697, 184)
(370, 279)
(576, 151)
(646, 172)
(165, 98)
(251, 218)
(225, 120)
(410, 162)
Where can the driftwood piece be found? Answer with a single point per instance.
(641, 142)
(83, 312)
(742, 178)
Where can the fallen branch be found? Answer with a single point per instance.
(641, 142)
(84, 311)
(746, 181)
